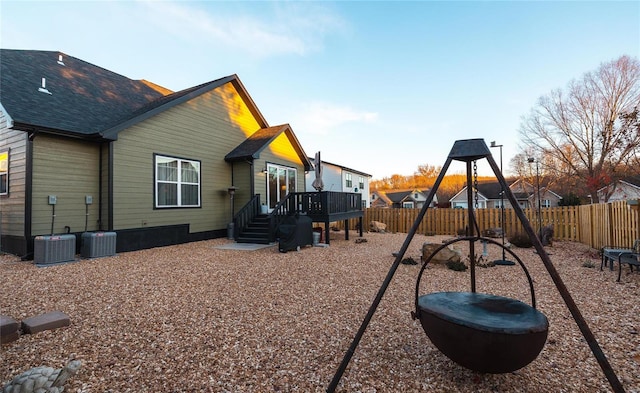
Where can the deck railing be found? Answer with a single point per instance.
(324, 202)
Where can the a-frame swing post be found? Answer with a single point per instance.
(387, 281)
(615, 383)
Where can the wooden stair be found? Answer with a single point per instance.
(256, 232)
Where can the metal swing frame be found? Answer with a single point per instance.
(469, 150)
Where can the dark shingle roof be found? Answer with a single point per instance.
(397, 196)
(490, 190)
(250, 149)
(634, 180)
(85, 99)
(252, 146)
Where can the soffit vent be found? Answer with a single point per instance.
(60, 60)
(43, 88)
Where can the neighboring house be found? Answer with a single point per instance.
(157, 165)
(489, 196)
(340, 179)
(622, 190)
(407, 199)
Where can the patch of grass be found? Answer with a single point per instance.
(589, 264)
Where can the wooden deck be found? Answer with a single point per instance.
(324, 207)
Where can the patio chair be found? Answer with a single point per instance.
(611, 254)
(630, 258)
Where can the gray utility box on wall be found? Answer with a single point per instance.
(54, 249)
(98, 244)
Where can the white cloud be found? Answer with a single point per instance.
(281, 29)
(322, 118)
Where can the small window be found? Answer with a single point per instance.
(546, 203)
(349, 180)
(177, 182)
(361, 181)
(4, 172)
(407, 205)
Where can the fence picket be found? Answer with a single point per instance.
(596, 225)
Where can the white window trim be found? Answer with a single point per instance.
(348, 180)
(179, 182)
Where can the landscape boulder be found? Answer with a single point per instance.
(492, 232)
(377, 226)
(443, 256)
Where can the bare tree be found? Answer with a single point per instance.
(590, 129)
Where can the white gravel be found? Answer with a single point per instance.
(193, 318)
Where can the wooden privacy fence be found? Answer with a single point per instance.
(597, 225)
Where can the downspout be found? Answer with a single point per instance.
(100, 178)
(253, 178)
(28, 197)
(110, 188)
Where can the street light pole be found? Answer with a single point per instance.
(504, 260)
(530, 160)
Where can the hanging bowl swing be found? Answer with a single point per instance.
(482, 332)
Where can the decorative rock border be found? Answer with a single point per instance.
(10, 329)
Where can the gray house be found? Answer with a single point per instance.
(489, 196)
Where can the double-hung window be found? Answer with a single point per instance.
(349, 180)
(177, 182)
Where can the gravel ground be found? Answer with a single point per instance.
(194, 318)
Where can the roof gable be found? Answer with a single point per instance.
(250, 149)
(77, 98)
(164, 103)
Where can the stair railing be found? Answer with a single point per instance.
(245, 215)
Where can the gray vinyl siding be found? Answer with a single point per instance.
(12, 205)
(69, 169)
(204, 129)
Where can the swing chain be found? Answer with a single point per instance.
(475, 183)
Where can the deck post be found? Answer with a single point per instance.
(326, 232)
(346, 229)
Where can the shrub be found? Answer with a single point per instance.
(520, 240)
(409, 261)
(588, 264)
(458, 266)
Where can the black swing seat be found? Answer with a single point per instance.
(482, 332)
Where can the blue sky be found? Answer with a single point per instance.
(380, 87)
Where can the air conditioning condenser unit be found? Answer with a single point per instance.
(98, 244)
(54, 249)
